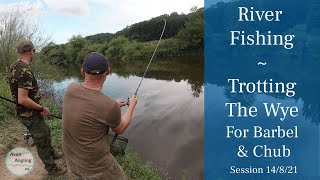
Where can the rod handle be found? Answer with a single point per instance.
(128, 102)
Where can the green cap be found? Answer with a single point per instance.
(25, 46)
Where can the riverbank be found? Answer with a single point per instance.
(12, 135)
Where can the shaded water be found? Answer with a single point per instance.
(167, 127)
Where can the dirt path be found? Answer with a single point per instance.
(38, 172)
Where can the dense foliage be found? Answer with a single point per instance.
(150, 30)
(183, 37)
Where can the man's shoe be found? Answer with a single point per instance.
(57, 155)
(57, 171)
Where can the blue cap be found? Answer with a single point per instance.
(95, 63)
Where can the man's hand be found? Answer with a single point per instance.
(120, 102)
(127, 117)
(133, 101)
(24, 100)
(45, 112)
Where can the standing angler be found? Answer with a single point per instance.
(25, 91)
(87, 116)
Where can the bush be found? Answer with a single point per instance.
(6, 108)
(116, 48)
(16, 26)
(135, 169)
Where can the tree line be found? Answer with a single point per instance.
(183, 37)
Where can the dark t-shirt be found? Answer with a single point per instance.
(21, 76)
(87, 116)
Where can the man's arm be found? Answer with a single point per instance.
(25, 101)
(127, 117)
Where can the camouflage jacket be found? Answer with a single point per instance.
(21, 76)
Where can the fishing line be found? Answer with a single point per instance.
(144, 74)
(154, 52)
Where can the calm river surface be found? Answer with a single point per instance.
(167, 127)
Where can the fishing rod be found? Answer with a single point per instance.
(1, 97)
(154, 52)
(144, 74)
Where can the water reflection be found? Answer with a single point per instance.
(189, 69)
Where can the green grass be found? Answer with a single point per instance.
(54, 123)
(135, 169)
(8, 122)
(9, 126)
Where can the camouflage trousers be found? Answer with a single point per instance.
(41, 135)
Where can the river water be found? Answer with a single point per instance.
(167, 126)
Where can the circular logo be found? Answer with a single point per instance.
(19, 161)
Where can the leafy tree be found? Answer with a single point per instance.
(151, 29)
(16, 26)
(88, 48)
(116, 51)
(191, 36)
(169, 47)
(99, 38)
(54, 54)
(139, 50)
(74, 46)
(104, 47)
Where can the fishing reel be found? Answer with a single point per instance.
(128, 102)
(27, 136)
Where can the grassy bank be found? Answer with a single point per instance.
(8, 122)
(131, 163)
